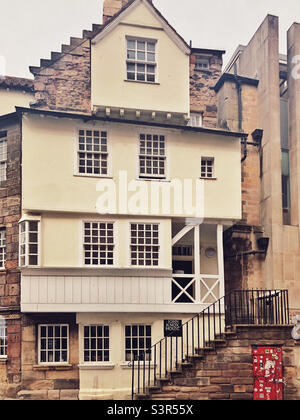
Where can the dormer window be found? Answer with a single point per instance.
(141, 60)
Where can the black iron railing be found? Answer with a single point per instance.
(253, 307)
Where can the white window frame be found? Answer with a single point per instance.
(3, 339)
(3, 155)
(77, 151)
(2, 248)
(136, 62)
(152, 156)
(204, 172)
(152, 245)
(90, 350)
(196, 119)
(145, 336)
(201, 62)
(26, 243)
(106, 244)
(53, 350)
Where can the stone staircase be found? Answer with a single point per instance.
(223, 370)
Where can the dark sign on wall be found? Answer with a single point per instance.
(173, 327)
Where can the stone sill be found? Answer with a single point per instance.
(96, 366)
(3, 360)
(208, 179)
(52, 367)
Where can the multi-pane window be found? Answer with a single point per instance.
(3, 155)
(144, 244)
(207, 167)
(202, 63)
(53, 343)
(137, 342)
(98, 243)
(2, 247)
(29, 243)
(3, 339)
(92, 152)
(141, 60)
(96, 343)
(152, 156)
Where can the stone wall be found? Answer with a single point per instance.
(203, 98)
(10, 213)
(48, 382)
(243, 272)
(226, 372)
(64, 82)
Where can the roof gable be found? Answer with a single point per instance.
(156, 18)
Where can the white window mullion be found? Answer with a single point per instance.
(3, 338)
(92, 152)
(98, 243)
(2, 247)
(29, 243)
(49, 352)
(137, 341)
(144, 245)
(207, 167)
(152, 156)
(3, 155)
(141, 60)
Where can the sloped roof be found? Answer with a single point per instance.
(127, 5)
(16, 83)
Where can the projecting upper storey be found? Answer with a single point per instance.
(134, 66)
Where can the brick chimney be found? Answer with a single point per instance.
(111, 7)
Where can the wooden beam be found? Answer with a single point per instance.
(180, 234)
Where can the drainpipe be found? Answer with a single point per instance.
(240, 104)
(240, 110)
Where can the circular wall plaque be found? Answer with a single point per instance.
(210, 252)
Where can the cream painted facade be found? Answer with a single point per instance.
(9, 99)
(61, 201)
(110, 86)
(59, 186)
(112, 380)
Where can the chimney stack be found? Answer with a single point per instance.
(111, 7)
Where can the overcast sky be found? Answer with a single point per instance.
(31, 29)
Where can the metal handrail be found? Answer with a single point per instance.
(253, 307)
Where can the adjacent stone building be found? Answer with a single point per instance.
(258, 93)
(12, 91)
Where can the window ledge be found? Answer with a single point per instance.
(96, 366)
(208, 179)
(142, 82)
(62, 366)
(94, 176)
(3, 360)
(153, 179)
